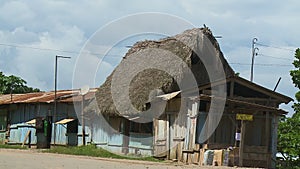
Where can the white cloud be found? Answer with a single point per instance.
(36, 65)
(67, 25)
(16, 13)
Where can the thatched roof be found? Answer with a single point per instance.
(152, 82)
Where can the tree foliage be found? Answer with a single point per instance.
(289, 127)
(289, 137)
(14, 84)
(296, 73)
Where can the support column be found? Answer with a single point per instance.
(242, 142)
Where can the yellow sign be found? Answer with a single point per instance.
(247, 117)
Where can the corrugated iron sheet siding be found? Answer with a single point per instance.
(97, 130)
(60, 137)
(19, 114)
(18, 133)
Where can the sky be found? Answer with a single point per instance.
(33, 32)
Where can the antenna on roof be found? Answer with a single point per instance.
(277, 84)
(84, 89)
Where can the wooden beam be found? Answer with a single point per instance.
(242, 142)
(28, 136)
(274, 140)
(266, 108)
(250, 110)
(254, 99)
(267, 137)
(263, 90)
(231, 94)
(230, 106)
(220, 82)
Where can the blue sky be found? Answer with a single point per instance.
(67, 25)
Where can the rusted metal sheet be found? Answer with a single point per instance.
(45, 97)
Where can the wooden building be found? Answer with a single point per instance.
(251, 112)
(245, 129)
(242, 132)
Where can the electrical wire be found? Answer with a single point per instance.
(57, 50)
(258, 64)
(119, 56)
(281, 58)
(275, 47)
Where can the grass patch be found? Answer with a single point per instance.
(12, 146)
(93, 151)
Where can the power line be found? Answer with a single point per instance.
(36, 48)
(58, 50)
(275, 57)
(258, 64)
(118, 55)
(276, 47)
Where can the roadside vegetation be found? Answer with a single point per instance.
(89, 150)
(12, 146)
(93, 151)
(289, 127)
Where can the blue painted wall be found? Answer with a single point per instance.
(98, 131)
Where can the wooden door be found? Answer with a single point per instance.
(160, 137)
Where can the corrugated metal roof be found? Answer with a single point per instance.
(46, 97)
(64, 121)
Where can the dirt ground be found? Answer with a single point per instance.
(32, 159)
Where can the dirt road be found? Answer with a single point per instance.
(28, 159)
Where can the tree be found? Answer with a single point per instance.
(14, 84)
(296, 73)
(289, 127)
(289, 138)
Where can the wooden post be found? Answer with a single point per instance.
(267, 139)
(28, 136)
(231, 94)
(82, 122)
(193, 118)
(230, 106)
(241, 149)
(168, 142)
(29, 140)
(274, 140)
(267, 130)
(195, 110)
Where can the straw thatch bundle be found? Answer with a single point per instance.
(152, 82)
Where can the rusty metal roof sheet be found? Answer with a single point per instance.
(67, 96)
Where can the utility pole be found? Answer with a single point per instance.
(55, 94)
(84, 90)
(83, 123)
(254, 53)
